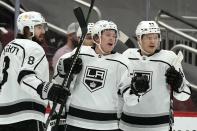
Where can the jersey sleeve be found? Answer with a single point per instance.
(126, 52)
(125, 82)
(1, 76)
(124, 91)
(56, 77)
(185, 91)
(59, 80)
(34, 70)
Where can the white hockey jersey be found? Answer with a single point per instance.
(152, 113)
(94, 97)
(22, 61)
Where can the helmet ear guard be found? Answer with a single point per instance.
(95, 37)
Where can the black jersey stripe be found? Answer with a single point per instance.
(133, 58)
(22, 106)
(91, 115)
(118, 62)
(24, 73)
(87, 55)
(127, 88)
(151, 60)
(29, 86)
(145, 120)
(161, 62)
(39, 62)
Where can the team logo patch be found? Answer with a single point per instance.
(144, 73)
(94, 78)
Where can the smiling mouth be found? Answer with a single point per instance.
(110, 44)
(151, 46)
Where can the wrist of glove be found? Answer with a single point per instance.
(61, 122)
(174, 79)
(64, 66)
(139, 85)
(53, 92)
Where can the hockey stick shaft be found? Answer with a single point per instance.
(89, 11)
(83, 24)
(67, 80)
(175, 63)
(50, 114)
(126, 40)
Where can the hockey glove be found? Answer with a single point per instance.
(174, 78)
(139, 84)
(64, 66)
(53, 92)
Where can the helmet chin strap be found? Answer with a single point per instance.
(144, 50)
(99, 46)
(147, 53)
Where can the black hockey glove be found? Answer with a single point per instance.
(139, 84)
(53, 92)
(174, 78)
(64, 66)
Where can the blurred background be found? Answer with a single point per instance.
(177, 19)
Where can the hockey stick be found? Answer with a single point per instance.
(66, 82)
(68, 78)
(175, 64)
(178, 60)
(89, 11)
(126, 40)
(83, 24)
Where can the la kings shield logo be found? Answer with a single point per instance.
(94, 78)
(149, 75)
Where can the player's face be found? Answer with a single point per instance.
(88, 40)
(39, 31)
(150, 42)
(108, 41)
(73, 38)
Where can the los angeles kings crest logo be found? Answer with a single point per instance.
(94, 78)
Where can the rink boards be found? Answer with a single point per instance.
(185, 121)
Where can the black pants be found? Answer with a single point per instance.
(28, 125)
(73, 128)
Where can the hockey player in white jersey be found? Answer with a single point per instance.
(24, 77)
(93, 104)
(88, 41)
(153, 112)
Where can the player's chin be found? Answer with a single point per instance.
(41, 38)
(108, 50)
(111, 46)
(151, 51)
